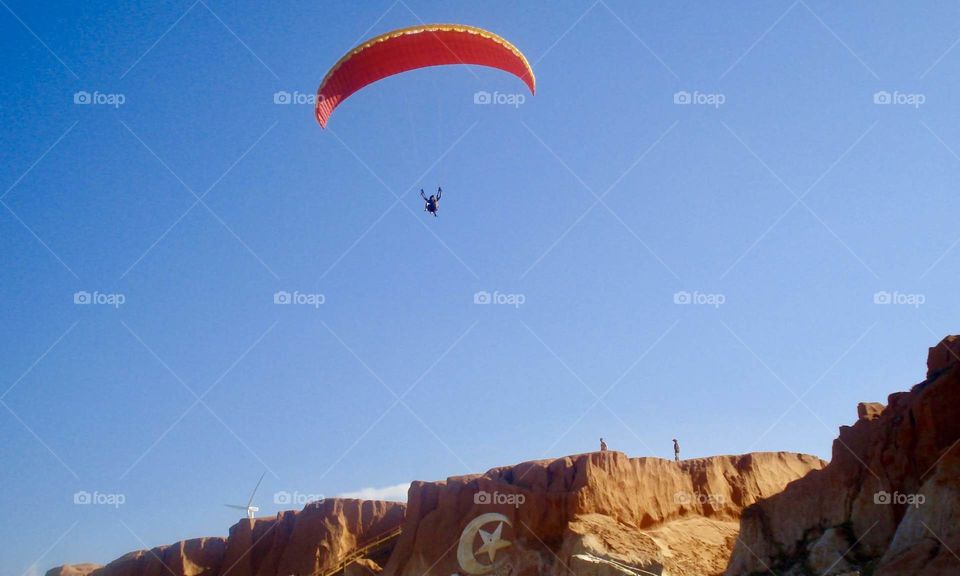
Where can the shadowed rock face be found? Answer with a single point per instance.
(598, 513)
(889, 499)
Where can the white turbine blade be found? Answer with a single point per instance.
(254, 493)
(237, 506)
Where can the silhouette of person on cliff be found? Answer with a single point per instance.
(603, 445)
(432, 204)
(676, 450)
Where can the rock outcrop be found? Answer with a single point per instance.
(887, 503)
(597, 513)
(73, 570)
(313, 541)
(309, 542)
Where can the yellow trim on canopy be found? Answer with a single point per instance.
(431, 28)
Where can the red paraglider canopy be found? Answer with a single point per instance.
(417, 47)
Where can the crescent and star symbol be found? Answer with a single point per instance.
(492, 542)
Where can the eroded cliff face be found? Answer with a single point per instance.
(889, 499)
(887, 503)
(308, 542)
(593, 514)
(73, 570)
(598, 513)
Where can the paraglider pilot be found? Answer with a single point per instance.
(432, 204)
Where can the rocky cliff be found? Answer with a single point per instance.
(598, 513)
(73, 570)
(593, 514)
(888, 502)
(311, 541)
(886, 505)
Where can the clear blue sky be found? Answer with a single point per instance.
(695, 198)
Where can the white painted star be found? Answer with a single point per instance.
(492, 542)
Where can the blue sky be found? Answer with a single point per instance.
(782, 213)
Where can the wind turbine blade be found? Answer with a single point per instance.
(238, 507)
(255, 488)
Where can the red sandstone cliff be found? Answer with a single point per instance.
(887, 504)
(73, 570)
(593, 514)
(311, 541)
(888, 501)
(598, 513)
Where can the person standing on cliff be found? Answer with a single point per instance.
(676, 450)
(603, 445)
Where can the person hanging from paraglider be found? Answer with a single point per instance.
(432, 204)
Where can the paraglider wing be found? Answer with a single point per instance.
(412, 48)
